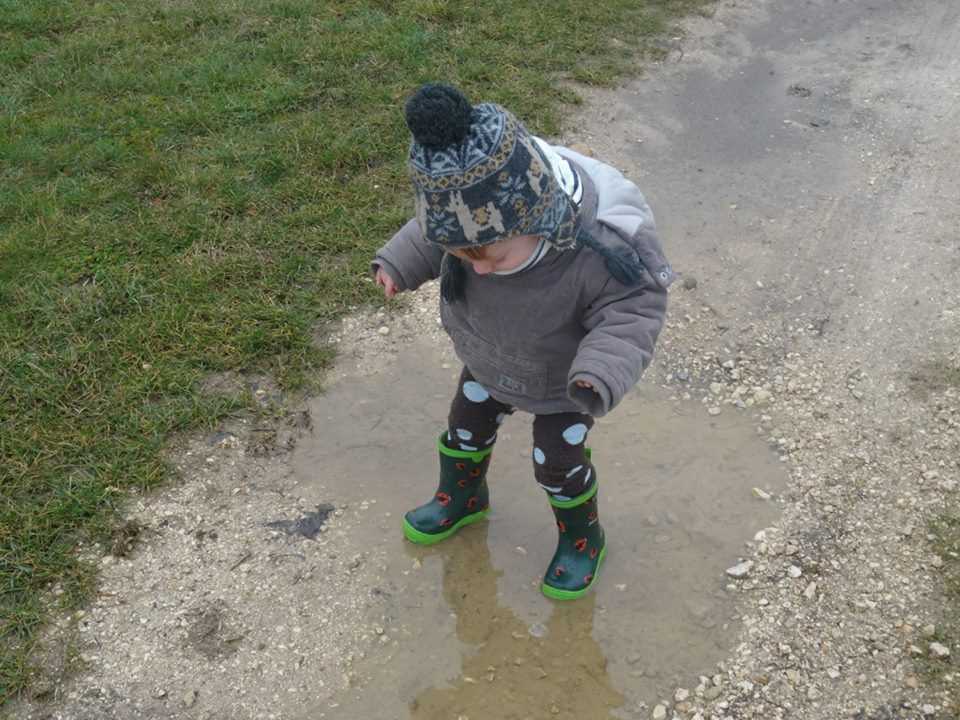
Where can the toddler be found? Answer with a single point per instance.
(554, 289)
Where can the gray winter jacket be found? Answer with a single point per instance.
(529, 337)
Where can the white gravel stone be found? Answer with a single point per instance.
(939, 651)
(740, 570)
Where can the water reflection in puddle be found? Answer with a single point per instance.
(466, 632)
(512, 668)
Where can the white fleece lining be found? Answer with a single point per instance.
(569, 182)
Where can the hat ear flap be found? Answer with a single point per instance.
(451, 278)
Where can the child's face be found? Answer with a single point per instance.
(501, 256)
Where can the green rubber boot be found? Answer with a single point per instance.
(461, 498)
(580, 547)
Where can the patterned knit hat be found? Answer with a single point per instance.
(479, 177)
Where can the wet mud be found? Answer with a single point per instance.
(463, 630)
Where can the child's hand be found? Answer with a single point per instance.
(585, 384)
(386, 282)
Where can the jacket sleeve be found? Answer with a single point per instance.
(622, 327)
(408, 259)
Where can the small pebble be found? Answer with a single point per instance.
(712, 692)
(939, 651)
(740, 570)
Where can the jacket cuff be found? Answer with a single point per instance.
(596, 404)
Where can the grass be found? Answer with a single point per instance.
(945, 534)
(935, 376)
(188, 188)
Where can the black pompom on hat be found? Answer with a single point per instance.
(438, 116)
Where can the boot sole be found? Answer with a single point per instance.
(558, 594)
(422, 538)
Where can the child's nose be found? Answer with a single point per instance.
(482, 267)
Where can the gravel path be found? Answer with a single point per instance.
(802, 161)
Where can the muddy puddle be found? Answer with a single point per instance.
(460, 630)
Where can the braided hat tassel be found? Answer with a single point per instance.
(451, 278)
(621, 261)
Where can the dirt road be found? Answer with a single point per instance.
(803, 163)
(800, 420)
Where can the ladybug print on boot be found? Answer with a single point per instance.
(573, 570)
(459, 499)
(475, 472)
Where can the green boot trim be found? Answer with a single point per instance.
(460, 499)
(422, 538)
(475, 456)
(574, 502)
(558, 594)
(581, 546)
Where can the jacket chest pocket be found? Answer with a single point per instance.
(508, 374)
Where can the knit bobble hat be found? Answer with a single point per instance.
(478, 178)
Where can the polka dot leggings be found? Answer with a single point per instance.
(560, 464)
